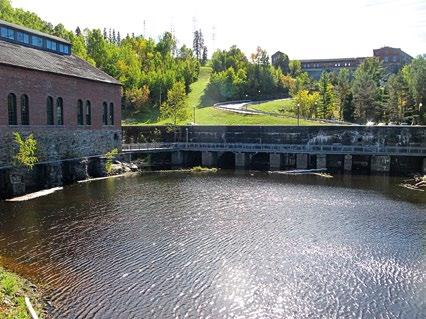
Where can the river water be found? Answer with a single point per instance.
(227, 245)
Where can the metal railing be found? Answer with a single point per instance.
(280, 148)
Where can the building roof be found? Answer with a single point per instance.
(35, 32)
(40, 60)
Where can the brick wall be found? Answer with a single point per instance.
(39, 85)
(65, 141)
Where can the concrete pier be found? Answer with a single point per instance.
(322, 161)
(177, 159)
(208, 159)
(241, 160)
(380, 164)
(424, 166)
(301, 161)
(347, 165)
(274, 162)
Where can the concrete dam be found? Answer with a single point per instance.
(366, 149)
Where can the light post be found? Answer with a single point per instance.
(298, 114)
(315, 110)
(193, 114)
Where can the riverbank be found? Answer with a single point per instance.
(13, 290)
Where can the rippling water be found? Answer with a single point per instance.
(224, 246)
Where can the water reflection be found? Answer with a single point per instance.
(225, 245)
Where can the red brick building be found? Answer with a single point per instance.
(73, 108)
(393, 60)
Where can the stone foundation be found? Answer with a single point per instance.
(60, 144)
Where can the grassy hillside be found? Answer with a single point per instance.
(206, 114)
(283, 107)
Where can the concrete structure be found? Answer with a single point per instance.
(393, 60)
(274, 162)
(72, 108)
(386, 149)
(321, 161)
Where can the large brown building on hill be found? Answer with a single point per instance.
(393, 60)
(72, 108)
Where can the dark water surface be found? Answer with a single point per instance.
(224, 246)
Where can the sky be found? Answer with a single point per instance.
(301, 28)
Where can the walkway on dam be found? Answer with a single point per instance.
(276, 148)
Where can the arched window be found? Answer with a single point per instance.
(80, 113)
(59, 111)
(11, 107)
(49, 111)
(25, 111)
(88, 113)
(111, 114)
(105, 113)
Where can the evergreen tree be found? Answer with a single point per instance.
(368, 94)
(343, 90)
(105, 34)
(78, 31)
(114, 38)
(205, 56)
(198, 44)
(327, 97)
(348, 108)
(118, 37)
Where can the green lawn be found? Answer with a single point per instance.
(212, 116)
(196, 96)
(206, 114)
(13, 290)
(283, 107)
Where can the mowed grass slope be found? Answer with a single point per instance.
(206, 114)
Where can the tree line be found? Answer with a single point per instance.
(370, 93)
(148, 69)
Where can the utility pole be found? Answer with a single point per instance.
(298, 114)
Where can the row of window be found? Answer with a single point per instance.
(393, 58)
(318, 65)
(33, 40)
(55, 111)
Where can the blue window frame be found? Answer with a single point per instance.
(51, 45)
(7, 33)
(36, 41)
(22, 37)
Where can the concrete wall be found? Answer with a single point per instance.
(313, 135)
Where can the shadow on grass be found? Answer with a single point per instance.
(148, 116)
(207, 100)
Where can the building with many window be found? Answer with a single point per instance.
(393, 60)
(71, 107)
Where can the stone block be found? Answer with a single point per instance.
(241, 160)
(301, 161)
(322, 161)
(380, 164)
(177, 159)
(424, 165)
(347, 165)
(274, 161)
(208, 159)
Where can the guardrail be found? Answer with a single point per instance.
(281, 148)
